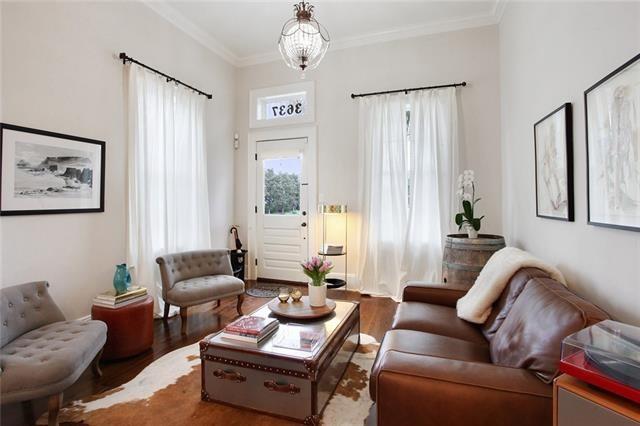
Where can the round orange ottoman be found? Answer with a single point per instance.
(129, 328)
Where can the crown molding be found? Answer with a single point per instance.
(455, 24)
(170, 14)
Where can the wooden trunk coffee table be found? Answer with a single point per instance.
(288, 383)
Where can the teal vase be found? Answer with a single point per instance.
(122, 279)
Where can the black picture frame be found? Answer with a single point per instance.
(102, 156)
(568, 146)
(608, 77)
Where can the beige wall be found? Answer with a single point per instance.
(549, 54)
(470, 55)
(59, 74)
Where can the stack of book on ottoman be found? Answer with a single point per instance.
(109, 299)
(250, 329)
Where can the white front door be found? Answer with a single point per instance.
(282, 201)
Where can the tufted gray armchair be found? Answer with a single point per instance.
(41, 354)
(196, 277)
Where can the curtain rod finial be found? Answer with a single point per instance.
(464, 83)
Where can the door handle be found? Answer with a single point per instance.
(303, 224)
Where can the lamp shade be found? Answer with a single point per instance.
(332, 208)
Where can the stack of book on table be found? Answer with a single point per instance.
(109, 299)
(250, 329)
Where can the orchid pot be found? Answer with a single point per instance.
(467, 219)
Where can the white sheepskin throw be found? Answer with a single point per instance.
(475, 306)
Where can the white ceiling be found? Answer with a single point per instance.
(246, 32)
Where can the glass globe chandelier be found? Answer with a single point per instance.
(303, 41)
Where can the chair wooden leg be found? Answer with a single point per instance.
(218, 303)
(183, 317)
(95, 366)
(27, 412)
(166, 311)
(55, 401)
(239, 305)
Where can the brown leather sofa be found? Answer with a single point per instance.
(436, 369)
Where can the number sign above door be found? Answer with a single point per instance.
(282, 105)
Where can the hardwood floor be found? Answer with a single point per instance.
(376, 314)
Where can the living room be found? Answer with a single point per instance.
(432, 199)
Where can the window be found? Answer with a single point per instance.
(409, 156)
(276, 106)
(282, 185)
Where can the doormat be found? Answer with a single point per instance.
(264, 290)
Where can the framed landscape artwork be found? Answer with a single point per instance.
(44, 172)
(612, 114)
(553, 146)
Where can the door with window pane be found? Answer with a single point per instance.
(282, 228)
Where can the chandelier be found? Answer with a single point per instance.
(303, 41)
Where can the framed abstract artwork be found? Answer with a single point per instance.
(43, 172)
(553, 146)
(612, 116)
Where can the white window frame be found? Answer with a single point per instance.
(309, 115)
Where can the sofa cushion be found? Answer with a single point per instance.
(199, 290)
(421, 343)
(47, 360)
(435, 319)
(503, 305)
(26, 307)
(531, 335)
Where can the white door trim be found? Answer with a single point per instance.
(308, 132)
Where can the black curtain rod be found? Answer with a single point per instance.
(126, 58)
(360, 95)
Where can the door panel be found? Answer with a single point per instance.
(282, 232)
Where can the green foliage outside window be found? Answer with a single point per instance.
(281, 193)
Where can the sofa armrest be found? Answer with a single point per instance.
(434, 293)
(412, 386)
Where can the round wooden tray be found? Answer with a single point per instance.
(301, 309)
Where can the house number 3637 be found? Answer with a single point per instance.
(287, 109)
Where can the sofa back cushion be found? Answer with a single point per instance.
(26, 307)
(503, 305)
(531, 335)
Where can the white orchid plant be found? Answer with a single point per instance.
(467, 194)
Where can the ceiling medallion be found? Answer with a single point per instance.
(303, 41)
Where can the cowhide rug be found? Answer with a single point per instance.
(167, 392)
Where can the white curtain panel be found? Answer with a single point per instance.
(168, 204)
(434, 170)
(407, 193)
(383, 193)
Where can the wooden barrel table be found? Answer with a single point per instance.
(464, 257)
